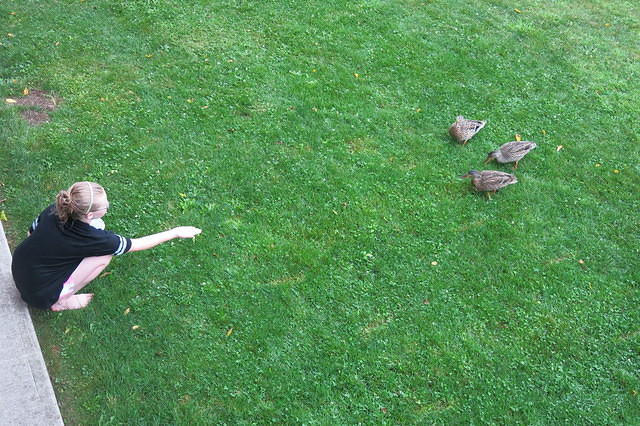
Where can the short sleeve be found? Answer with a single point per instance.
(124, 245)
(100, 243)
(36, 221)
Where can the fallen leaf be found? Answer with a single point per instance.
(356, 75)
(434, 263)
(559, 147)
(3, 216)
(105, 274)
(384, 410)
(10, 101)
(148, 56)
(544, 132)
(598, 164)
(229, 331)
(517, 10)
(126, 311)
(66, 331)
(25, 91)
(10, 35)
(580, 261)
(616, 171)
(426, 301)
(518, 137)
(135, 327)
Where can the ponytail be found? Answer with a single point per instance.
(64, 206)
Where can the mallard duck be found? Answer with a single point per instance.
(490, 180)
(511, 152)
(463, 130)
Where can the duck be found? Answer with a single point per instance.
(511, 152)
(463, 129)
(490, 181)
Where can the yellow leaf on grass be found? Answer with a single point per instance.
(3, 216)
(105, 274)
(517, 10)
(559, 147)
(135, 327)
(229, 331)
(518, 137)
(10, 101)
(10, 35)
(126, 311)
(25, 91)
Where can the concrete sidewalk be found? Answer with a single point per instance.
(26, 394)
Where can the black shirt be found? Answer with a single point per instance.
(45, 260)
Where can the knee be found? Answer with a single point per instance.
(102, 261)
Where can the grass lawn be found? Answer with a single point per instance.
(345, 274)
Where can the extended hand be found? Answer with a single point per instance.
(186, 231)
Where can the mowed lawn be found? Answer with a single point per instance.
(345, 273)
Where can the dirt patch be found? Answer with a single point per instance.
(36, 104)
(35, 118)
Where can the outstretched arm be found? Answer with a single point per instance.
(144, 243)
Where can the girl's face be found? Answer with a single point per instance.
(100, 209)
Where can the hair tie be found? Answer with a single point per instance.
(91, 200)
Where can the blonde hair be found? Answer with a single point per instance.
(78, 200)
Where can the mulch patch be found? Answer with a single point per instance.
(37, 102)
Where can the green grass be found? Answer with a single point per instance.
(309, 141)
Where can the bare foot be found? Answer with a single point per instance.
(77, 301)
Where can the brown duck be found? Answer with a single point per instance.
(490, 180)
(511, 152)
(463, 130)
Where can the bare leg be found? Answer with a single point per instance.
(87, 271)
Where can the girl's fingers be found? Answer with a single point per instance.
(187, 231)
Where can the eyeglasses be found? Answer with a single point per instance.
(103, 208)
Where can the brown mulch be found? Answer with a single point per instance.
(40, 99)
(37, 102)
